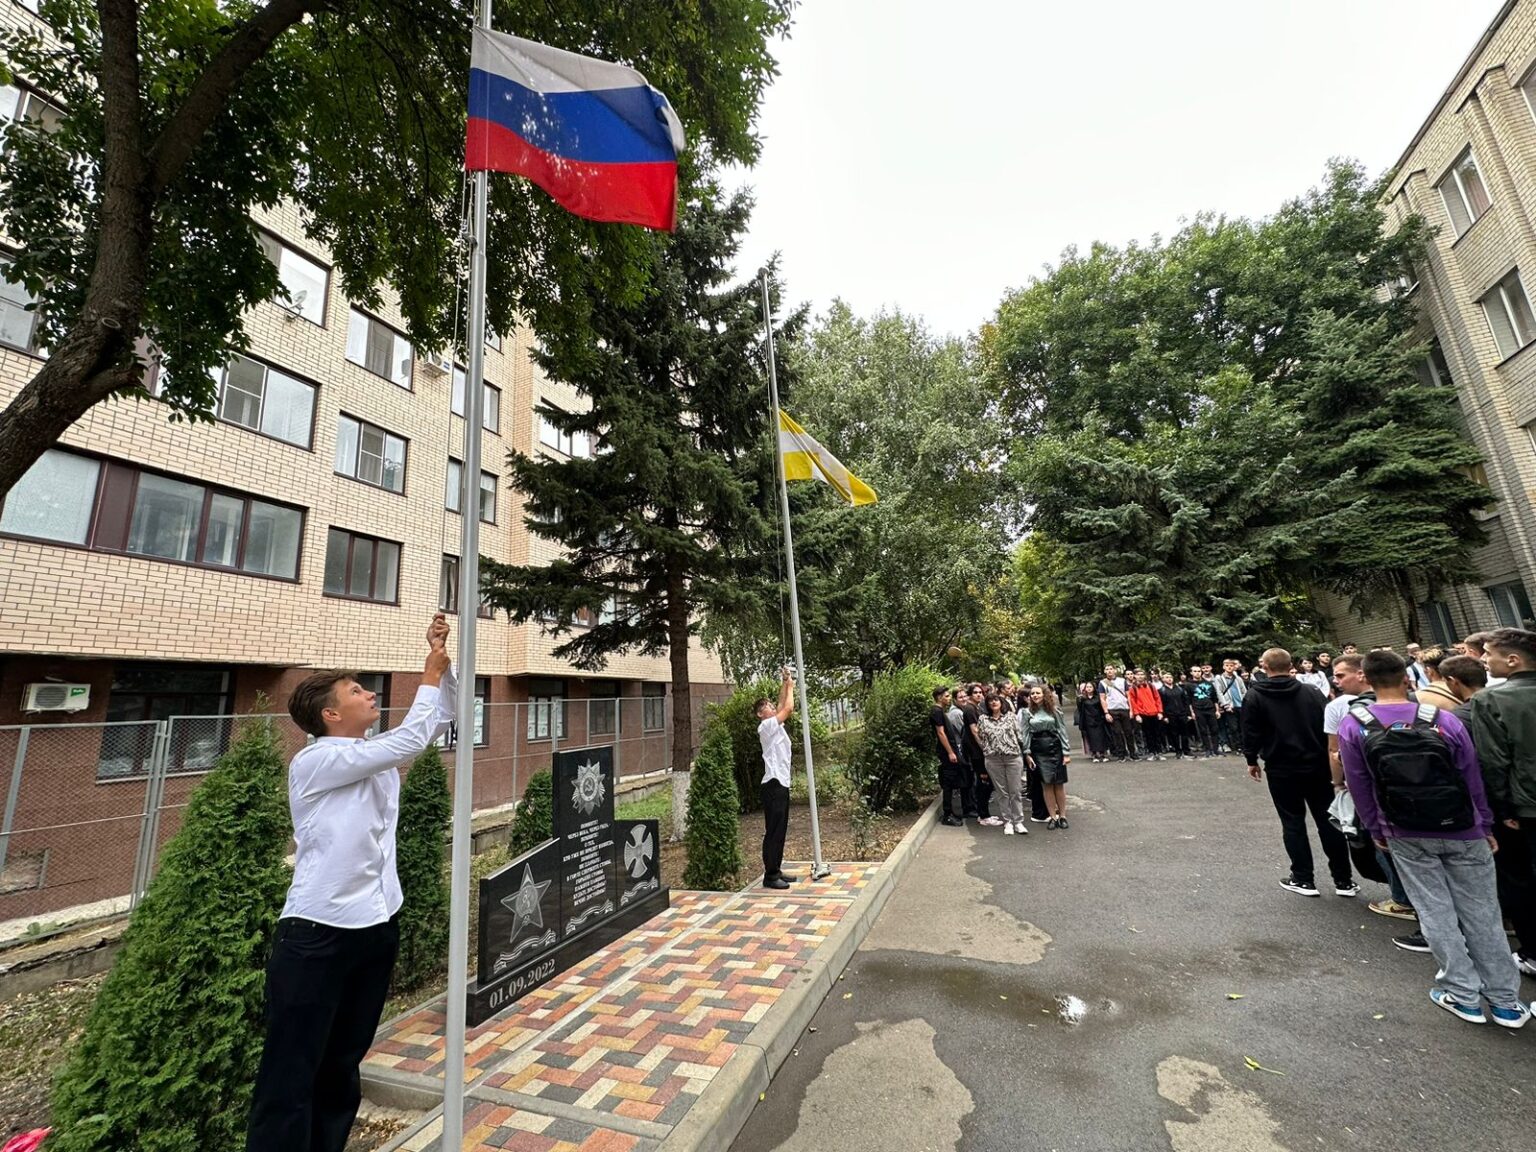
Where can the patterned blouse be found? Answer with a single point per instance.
(1000, 735)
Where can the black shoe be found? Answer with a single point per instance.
(777, 883)
(1061, 822)
(950, 822)
(969, 816)
(788, 877)
(1412, 943)
(1300, 887)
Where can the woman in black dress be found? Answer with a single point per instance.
(1089, 721)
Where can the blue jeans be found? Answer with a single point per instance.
(1394, 881)
(1451, 886)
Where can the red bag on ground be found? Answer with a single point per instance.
(27, 1141)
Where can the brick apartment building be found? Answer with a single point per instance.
(1470, 172)
(176, 569)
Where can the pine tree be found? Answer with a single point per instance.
(169, 1054)
(662, 521)
(713, 837)
(425, 810)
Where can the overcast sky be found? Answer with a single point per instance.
(932, 155)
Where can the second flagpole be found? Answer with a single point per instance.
(818, 867)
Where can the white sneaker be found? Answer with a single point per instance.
(1526, 966)
(1021, 828)
(1007, 829)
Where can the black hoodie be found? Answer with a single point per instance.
(1283, 723)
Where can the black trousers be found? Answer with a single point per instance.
(1122, 733)
(775, 827)
(1152, 734)
(955, 779)
(1035, 787)
(1294, 797)
(1515, 865)
(981, 784)
(1205, 728)
(1176, 733)
(325, 991)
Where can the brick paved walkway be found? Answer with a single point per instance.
(610, 1056)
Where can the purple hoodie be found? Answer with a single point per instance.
(1363, 789)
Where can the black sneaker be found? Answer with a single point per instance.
(1291, 884)
(776, 884)
(1414, 942)
(950, 822)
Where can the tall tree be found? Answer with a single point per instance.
(662, 522)
(1155, 348)
(179, 117)
(902, 579)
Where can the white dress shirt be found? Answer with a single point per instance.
(344, 794)
(776, 750)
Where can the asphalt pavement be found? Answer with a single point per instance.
(1113, 986)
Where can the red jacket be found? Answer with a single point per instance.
(1145, 700)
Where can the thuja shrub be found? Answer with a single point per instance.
(168, 1055)
(714, 809)
(425, 810)
(535, 819)
(740, 720)
(893, 762)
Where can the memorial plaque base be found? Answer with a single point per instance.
(500, 994)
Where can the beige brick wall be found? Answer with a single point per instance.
(69, 601)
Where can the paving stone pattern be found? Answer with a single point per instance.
(610, 1056)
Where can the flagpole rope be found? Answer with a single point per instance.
(460, 270)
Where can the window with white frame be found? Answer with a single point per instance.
(490, 417)
(1508, 310)
(256, 396)
(18, 314)
(361, 567)
(22, 106)
(487, 498)
(482, 695)
(374, 345)
(1465, 196)
(546, 709)
(302, 277)
(370, 454)
(568, 443)
(454, 491)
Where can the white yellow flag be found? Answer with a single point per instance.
(804, 459)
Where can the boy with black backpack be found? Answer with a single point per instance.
(1418, 789)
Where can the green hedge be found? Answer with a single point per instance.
(169, 1053)
(893, 760)
(425, 810)
(714, 849)
(535, 819)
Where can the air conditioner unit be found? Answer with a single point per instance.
(56, 698)
(439, 365)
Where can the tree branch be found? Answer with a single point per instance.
(209, 95)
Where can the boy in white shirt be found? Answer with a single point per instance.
(775, 788)
(336, 941)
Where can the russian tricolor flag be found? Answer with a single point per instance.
(594, 135)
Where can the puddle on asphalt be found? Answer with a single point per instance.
(1070, 1009)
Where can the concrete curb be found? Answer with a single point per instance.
(720, 1113)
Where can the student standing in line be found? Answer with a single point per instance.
(1147, 712)
(1202, 701)
(1284, 727)
(951, 774)
(973, 756)
(1177, 716)
(1005, 762)
(1418, 790)
(1115, 700)
(1091, 724)
(1050, 752)
(1310, 675)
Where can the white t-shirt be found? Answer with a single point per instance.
(1334, 714)
(776, 750)
(1115, 694)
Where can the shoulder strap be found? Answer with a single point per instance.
(1427, 714)
(1363, 714)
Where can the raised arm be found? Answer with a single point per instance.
(786, 697)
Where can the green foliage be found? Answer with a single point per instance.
(894, 764)
(657, 806)
(1220, 422)
(739, 718)
(892, 582)
(425, 811)
(535, 819)
(169, 1053)
(679, 412)
(713, 833)
(355, 114)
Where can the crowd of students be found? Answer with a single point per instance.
(1418, 772)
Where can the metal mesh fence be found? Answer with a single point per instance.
(89, 808)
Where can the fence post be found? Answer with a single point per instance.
(618, 737)
(518, 730)
(13, 792)
(144, 867)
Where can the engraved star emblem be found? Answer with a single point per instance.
(587, 791)
(524, 904)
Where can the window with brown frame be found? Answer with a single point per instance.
(361, 567)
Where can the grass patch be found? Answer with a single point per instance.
(657, 806)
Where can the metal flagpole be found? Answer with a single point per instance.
(818, 868)
(469, 605)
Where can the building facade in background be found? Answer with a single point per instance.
(1470, 173)
(151, 569)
